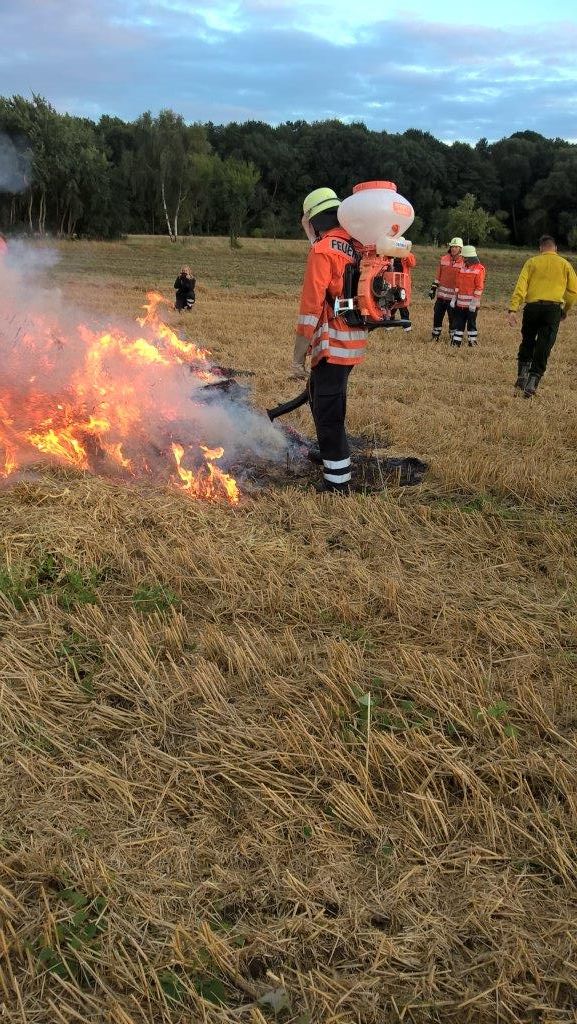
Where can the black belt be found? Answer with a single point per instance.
(544, 302)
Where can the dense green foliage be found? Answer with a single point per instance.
(158, 174)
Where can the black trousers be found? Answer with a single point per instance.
(464, 319)
(404, 314)
(441, 307)
(328, 389)
(538, 333)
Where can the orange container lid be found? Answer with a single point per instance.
(375, 184)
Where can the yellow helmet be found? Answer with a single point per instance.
(468, 252)
(319, 200)
(456, 241)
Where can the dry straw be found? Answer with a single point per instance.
(204, 817)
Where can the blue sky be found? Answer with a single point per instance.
(460, 71)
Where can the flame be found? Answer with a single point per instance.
(212, 453)
(155, 299)
(189, 352)
(10, 462)
(63, 445)
(208, 482)
(115, 453)
(104, 401)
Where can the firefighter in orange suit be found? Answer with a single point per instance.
(469, 286)
(443, 287)
(332, 345)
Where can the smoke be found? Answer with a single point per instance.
(112, 398)
(26, 260)
(15, 164)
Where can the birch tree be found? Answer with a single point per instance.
(176, 144)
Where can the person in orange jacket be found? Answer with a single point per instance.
(3, 244)
(403, 265)
(332, 345)
(443, 287)
(469, 286)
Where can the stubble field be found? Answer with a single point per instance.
(308, 759)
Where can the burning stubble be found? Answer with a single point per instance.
(120, 400)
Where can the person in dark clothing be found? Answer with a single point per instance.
(185, 285)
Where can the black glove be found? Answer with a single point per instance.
(432, 291)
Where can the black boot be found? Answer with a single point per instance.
(523, 371)
(325, 488)
(531, 385)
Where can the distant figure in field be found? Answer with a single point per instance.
(185, 285)
(547, 285)
(469, 286)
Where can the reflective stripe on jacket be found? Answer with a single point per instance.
(446, 278)
(470, 284)
(329, 337)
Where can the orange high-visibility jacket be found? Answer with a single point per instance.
(329, 337)
(447, 275)
(470, 284)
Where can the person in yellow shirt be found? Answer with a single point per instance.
(547, 285)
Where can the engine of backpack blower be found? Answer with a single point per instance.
(373, 290)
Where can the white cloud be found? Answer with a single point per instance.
(273, 60)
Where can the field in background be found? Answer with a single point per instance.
(311, 759)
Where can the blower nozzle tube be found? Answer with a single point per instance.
(295, 403)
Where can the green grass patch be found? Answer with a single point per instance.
(80, 924)
(176, 987)
(154, 597)
(488, 504)
(49, 575)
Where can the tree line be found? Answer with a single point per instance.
(160, 175)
